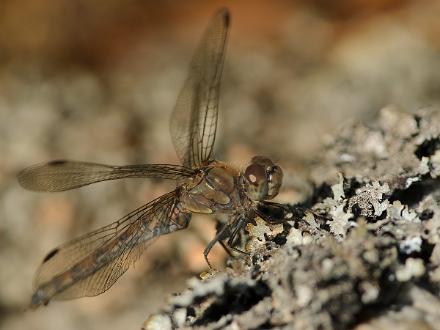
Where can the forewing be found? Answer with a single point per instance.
(63, 175)
(194, 120)
(90, 264)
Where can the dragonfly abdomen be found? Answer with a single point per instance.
(66, 284)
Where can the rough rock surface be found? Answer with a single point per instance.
(360, 253)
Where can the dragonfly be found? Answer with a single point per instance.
(90, 264)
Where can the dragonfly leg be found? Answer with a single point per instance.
(226, 249)
(237, 228)
(240, 224)
(273, 213)
(232, 236)
(221, 235)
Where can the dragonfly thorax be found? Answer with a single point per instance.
(213, 190)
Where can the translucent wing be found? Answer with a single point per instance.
(63, 175)
(194, 120)
(90, 264)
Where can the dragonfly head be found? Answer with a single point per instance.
(262, 178)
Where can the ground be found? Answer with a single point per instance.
(83, 81)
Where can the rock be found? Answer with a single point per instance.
(364, 252)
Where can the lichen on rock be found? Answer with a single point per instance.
(363, 255)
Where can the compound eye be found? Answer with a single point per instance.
(255, 174)
(262, 160)
(275, 179)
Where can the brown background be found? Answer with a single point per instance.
(97, 80)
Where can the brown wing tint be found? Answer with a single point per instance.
(194, 120)
(64, 174)
(90, 264)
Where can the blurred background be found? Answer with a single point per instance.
(97, 81)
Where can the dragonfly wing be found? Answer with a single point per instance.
(91, 264)
(63, 175)
(194, 120)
